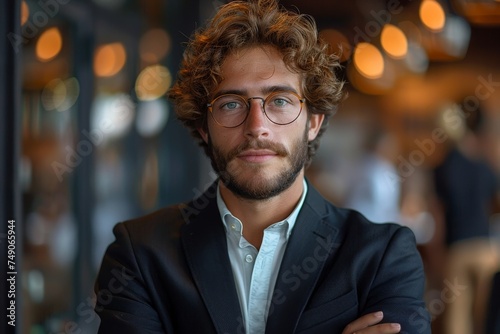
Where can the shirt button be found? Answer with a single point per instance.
(233, 226)
(249, 258)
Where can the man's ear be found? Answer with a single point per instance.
(203, 133)
(315, 122)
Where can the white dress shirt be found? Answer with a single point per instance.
(255, 271)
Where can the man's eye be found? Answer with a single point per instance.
(280, 102)
(231, 105)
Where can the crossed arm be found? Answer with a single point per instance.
(369, 324)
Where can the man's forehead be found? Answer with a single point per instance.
(263, 61)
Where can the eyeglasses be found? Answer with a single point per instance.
(231, 110)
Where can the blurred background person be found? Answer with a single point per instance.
(373, 190)
(467, 189)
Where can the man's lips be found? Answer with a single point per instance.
(257, 155)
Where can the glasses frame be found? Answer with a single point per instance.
(263, 106)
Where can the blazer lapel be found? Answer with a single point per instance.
(312, 241)
(204, 241)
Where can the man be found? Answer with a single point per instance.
(260, 251)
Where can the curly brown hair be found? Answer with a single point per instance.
(240, 24)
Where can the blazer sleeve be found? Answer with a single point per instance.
(123, 303)
(399, 283)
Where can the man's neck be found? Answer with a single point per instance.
(257, 215)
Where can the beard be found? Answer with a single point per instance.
(260, 187)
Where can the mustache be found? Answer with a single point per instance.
(279, 149)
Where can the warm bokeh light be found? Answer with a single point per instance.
(153, 82)
(49, 44)
(338, 43)
(394, 41)
(154, 45)
(372, 86)
(109, 59)
(25, 12)
(60, 94)
(368, 60)
(432, 14)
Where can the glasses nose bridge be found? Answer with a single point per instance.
(262, 101)
(261, 104)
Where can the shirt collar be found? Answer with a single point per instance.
(229, 219)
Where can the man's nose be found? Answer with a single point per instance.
(256, 124)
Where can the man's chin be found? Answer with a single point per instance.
(258, 186)
(253, 192)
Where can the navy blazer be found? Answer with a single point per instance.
(169, 272)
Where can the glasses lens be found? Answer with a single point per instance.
(229, 110)
(283, 107)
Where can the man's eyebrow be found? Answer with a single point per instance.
(230, 91)
(278, 88)
(265, 91)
